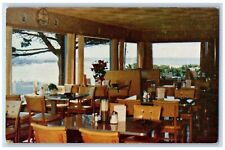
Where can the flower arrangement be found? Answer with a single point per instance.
(99, 69)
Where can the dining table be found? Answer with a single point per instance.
(129, 127)
(54, 99)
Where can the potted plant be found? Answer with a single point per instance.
(99, 69)
(52, 88)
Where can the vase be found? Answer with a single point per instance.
(98, 82)
(104, 110)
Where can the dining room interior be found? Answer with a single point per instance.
(112, 103)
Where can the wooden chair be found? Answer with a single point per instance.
(12, 120)
(170, 110)
(147, 112)
(170, 90)
(101, 92)
(91, 93)
(187, 118)
(75, 88)
(85, 105)
(23, 117)
(123, 90)
(13, 97)
(61, 89)
(92, 136)
(49, 134)
(36, 105)
(185, 93)
(61, 106)
(129, 105)
(142, 112)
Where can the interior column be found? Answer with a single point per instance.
(203, 56)
(70, 58)
(140, 54)
(121, 55)
(8, 60)
(114, 54)
(148, 58)
(80, 59)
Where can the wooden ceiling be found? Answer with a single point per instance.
(158, 20)
(153, 24)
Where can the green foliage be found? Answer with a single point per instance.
(176, 71)
(93, 41)
(131, 66)
(26, 42)
(52, 87)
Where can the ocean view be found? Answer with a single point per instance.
(47, 72)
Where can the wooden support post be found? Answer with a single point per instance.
(216, 57)
(70, 58)
(114, 54)
(8, 60)
(80, 59)
(203, 54)
(210, 58)
(207, 57)
(140, 54)
(148, 58)
(121, 55)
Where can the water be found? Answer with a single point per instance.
(176, 61)
(23, 75)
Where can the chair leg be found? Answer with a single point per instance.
(175, 137)
(30, 134)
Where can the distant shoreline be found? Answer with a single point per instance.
(157, 61)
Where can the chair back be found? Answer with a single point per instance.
(101, 91)
(49, 134)
(87, 89)
(147, 112)
(35, 103)
(61, 89)
(91, 136)
(75, 88)
(185, 93)
(129, 104)
(127, 83)
(169, 109)
(170, 91)
(13, 97)
(13, 109)
(12, 117)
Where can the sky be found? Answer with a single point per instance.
(160, 50)
(174, 50)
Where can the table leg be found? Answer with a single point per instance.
(53, 107)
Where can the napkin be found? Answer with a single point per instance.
(121, 111)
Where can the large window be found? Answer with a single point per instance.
(130, 55)
(32, 60)
(95, 49)
(174, 58)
